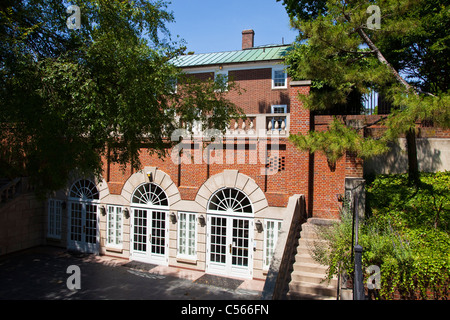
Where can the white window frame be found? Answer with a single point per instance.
(276, 70)
(275, 110)
(184, 254)
(276, 107)
(268, 223)
(112, 212)
(54, 218)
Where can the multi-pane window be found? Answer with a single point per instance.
(279, 78)
(240, 245)
(279, 122)
(84, 190)
(140, 230)
(218, 239)
(271, 233)
(54, 218)
(230, 200)
(150, 194)
(114, 226)
(158, 232)
(186, 235)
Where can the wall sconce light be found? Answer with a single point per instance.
(259, 226)
(173, 217)
(63, 205)
(150, 176)
(220, 67)
(103, 210)
(340, 197)
(202, 220)
(126, 213)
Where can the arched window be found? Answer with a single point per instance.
(150, 194)
(230, 200)
(84, 190)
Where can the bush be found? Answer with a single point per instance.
(405, 233)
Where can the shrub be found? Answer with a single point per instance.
(405, 233)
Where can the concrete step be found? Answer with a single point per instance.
(321, 221)
(308, 278)
(305, 245)
(312, 277)
(301, 287)
(305, 258)
(309, 234)
(305, 296)
(310, 267)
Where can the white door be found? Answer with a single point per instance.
(83, 227)
(229, 246)
(149, 241)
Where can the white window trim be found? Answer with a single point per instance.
(277, 223)
(181, 255)
(274, 69)
(110, 244)
(284, 106)
(279, 114)
(55, 209)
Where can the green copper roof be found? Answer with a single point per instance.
(257, 54)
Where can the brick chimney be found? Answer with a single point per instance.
(248, 38)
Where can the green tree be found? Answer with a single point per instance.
(69, 97)
(406, 58)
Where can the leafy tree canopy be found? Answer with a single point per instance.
(69, 97)
(405, 56)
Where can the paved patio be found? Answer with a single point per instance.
(41, 273)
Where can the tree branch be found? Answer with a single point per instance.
(380, 56)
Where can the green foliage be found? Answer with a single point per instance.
(338, 140)
(336, 253)
(407, 60)
(69, 97)
(405, 233)
(390, 198)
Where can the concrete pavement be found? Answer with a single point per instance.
(42, 273)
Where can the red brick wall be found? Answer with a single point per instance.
(293, 178)
(257, 93)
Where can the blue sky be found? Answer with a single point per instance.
(213, 25)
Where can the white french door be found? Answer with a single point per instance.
(83, 227)
(149, 241)
(229, 246)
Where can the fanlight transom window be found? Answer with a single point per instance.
(230, 200)
(150, 194)
(84, 190)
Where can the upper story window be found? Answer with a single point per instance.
(279, 78)
(281, 108)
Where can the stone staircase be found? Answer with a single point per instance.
(307, 278)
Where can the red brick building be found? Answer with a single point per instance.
(219, 208)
